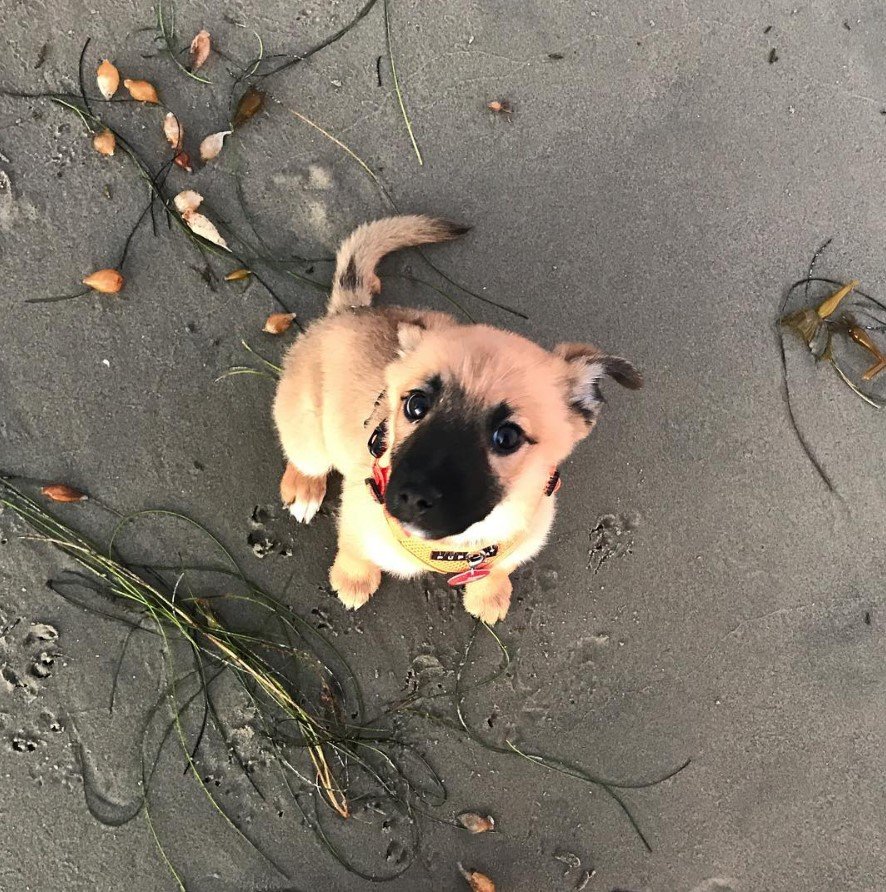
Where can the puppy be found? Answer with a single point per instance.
(448, 436)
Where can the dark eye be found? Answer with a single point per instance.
(507, 438)
(416, 405)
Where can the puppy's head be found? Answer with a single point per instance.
(477, 420)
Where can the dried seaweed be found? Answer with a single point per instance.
(266, 66)
(301, 686)
(819, 324)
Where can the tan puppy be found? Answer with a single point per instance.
(448, 436)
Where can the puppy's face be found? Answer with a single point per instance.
(478, 419)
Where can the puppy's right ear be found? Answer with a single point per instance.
(586, 367)
(408, 336)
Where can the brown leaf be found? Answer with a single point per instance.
(476, 823)
(142, 91)
(250, 104)
(173, 131)
(478, 882)
(61, 492)
(212, 145)
(107, 281)
(108, 79)
(205, 228)
(500, 106)
(183, 160)
(277, 323)
(200, 47)
(104, 142)
(187, 200)
(238, 275)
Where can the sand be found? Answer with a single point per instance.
(654, 191)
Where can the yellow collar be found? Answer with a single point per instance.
(467, 565)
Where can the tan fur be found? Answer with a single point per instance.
(351, 369)
(367, 244)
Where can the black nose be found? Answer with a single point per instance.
(415, 499)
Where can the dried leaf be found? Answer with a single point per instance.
(829, 306)
(107, 281)
(212, 145)
(500, 106)
(238, 275)
(476, 823)
(105, 142)
(478, 882)
(183, 160)
(142, 91)
(277, 323)
(205, 228)
(173, 131)
(200, 47)
(188, 200)
(61, 492)
(108, 79)
(250, 104)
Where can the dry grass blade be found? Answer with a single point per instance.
(300, 686)
(397, 89)
(193, 619)
(871, 401)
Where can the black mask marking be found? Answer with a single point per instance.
(441, 479)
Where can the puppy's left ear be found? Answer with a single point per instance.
(586, 367)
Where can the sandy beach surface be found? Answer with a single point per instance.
(666, 171)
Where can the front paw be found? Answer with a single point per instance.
(354, 586)
(301, 494)
(488, 599)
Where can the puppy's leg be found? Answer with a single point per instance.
(353, 578)
(303, 495)
(488, 599)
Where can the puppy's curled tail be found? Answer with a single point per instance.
(355, 282)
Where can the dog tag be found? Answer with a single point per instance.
(468, 576)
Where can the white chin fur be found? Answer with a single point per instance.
(414, 531)
(497, 525)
